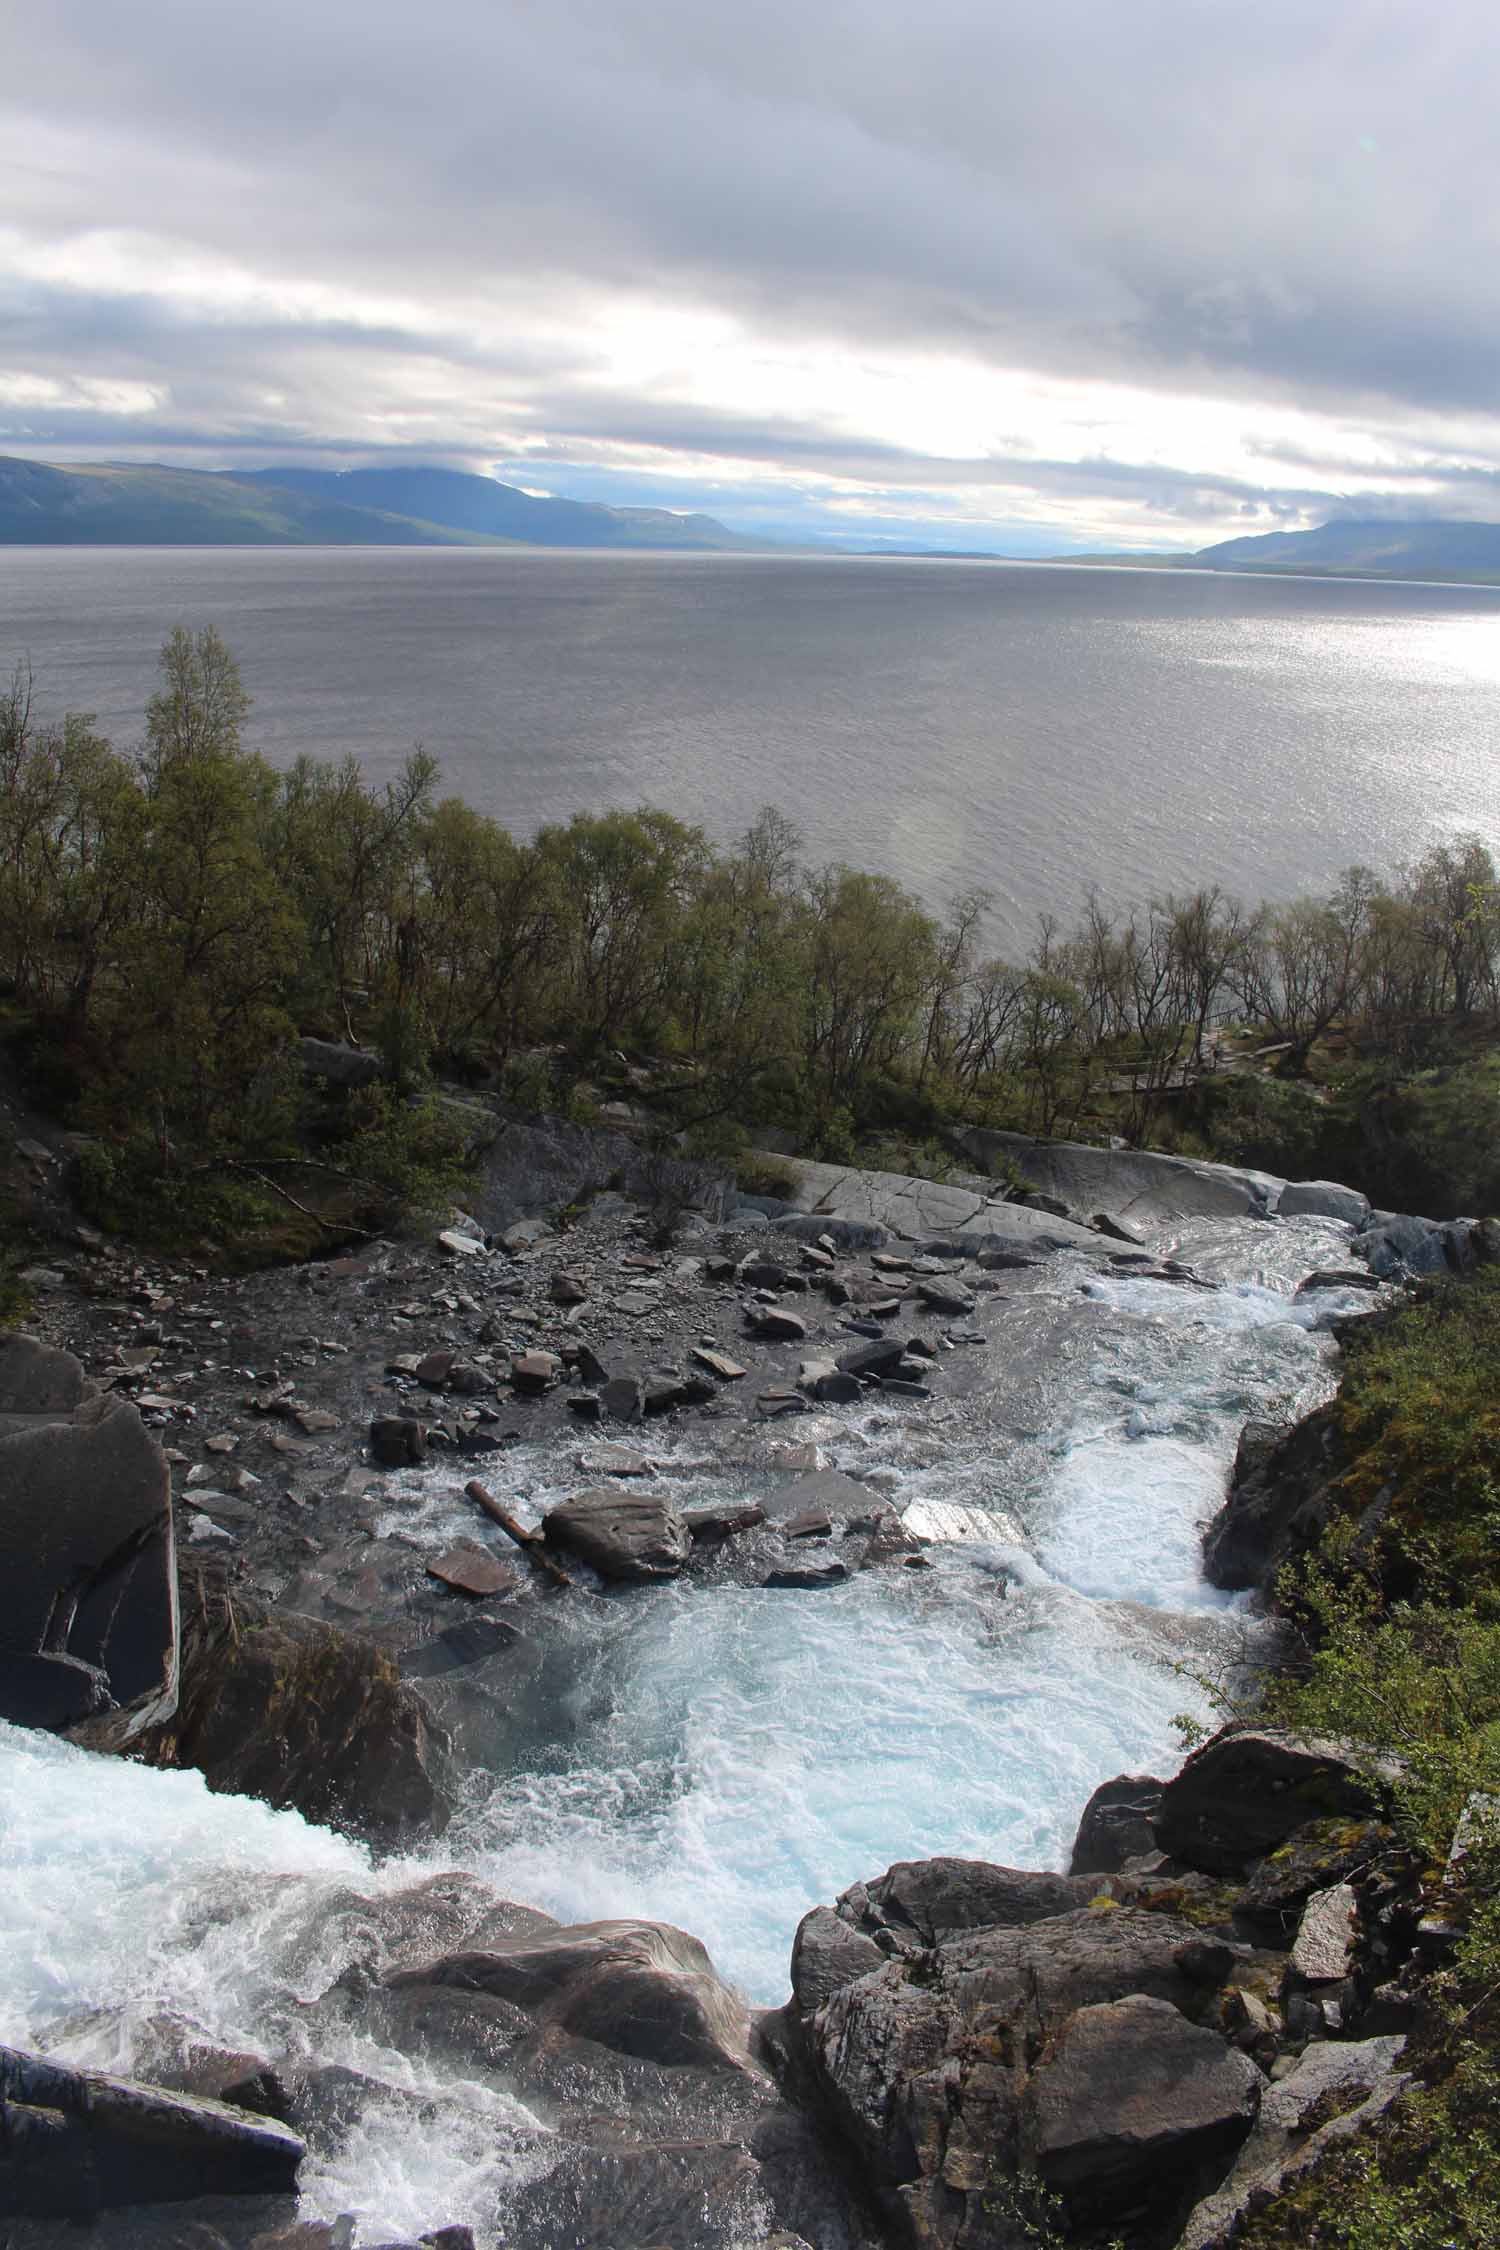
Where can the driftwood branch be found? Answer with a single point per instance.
(531, 1543)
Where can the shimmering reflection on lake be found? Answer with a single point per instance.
(1032, 730)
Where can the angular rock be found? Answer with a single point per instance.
(777, 1326)
(1136, 2108)
(1279, 1500)
(568, 1289)
(535, 1372)
(397, 1442)
(838, 1389)
(624, 1398)
(1116, 1824)
(827, 1954)
(881, 1357)
(718, 1363)
(806, 1581)
(1290, 2133)
(73, 2142)
(947, 1297)
(708, 1526)
(1324, 1949)
(460, 1245)
(51, 1691)
(632, 1538)
(922, 2065)
(86, 1547)
(1249, 1788)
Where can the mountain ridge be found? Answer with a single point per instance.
(146, 504)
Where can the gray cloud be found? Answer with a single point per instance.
(1256, 206)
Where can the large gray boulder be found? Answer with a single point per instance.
(1339, 2089)
(634, 1538)
(640, 1988)
(1134, 1185)
(1278, 1502)
(1323, 1199)
(73, 2142)
(1116, 1824)
(925, 2064)
(1133, 2106)
(86, 1548)
(1397, 1246)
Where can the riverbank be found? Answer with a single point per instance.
(990, 1542)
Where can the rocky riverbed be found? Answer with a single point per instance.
(878, 1513)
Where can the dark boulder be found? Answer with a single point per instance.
(1116, 1824)
(924, 1901)
(73, 2142)
(631, 1537)
(881, 1357)
(86, 1545)
(299, 1713)
(1249, 1788)
(397, 1442)
(1279, 1500)
(827, 1954)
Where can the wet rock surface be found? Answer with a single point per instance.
(931, 2004)
(86, 1547)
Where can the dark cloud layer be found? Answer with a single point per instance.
(643, 238)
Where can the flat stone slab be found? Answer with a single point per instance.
(894, 1206)
(81, 2140)
(1130, 1184)
(1324, 1949)
(470, 1570)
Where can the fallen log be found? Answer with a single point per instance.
(531, 1543)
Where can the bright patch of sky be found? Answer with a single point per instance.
(1083, 277)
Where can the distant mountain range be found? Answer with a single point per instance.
(120, 505)
(1372, 549)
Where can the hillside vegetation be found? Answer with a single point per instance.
(169, 921)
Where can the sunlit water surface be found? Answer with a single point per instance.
(1032, 730)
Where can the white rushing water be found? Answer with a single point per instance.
(726, 1758)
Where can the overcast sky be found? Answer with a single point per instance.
(1062, 273)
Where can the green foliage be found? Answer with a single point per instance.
(1272, 1124)
(168, 923)
(1420, 1415)
(758, 1174)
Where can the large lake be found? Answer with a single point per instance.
(1034, 730)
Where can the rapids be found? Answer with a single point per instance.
(725, 1757)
